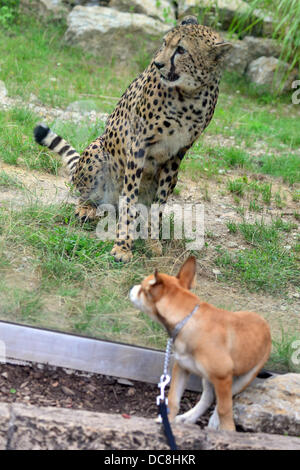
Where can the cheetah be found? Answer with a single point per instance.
(158, 118)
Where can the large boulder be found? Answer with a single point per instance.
(258, 47)
(271, 73)
(272, 406)
(250, 48)
(53, 9)
(24, 427)
(111, 33)
(226, 11)
(238, 58)
(162, 10)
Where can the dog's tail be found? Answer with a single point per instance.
(44, 136)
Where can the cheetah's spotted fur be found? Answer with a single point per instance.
(156, 121)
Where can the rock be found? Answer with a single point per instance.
(265, 27)
(250, 48)
(3, 90)
(67, 391)
(111, 33)
(238, 58)
(160, 10)
(125, 382)
(258, 47)
(272, 73)
(272, 406)
(25, 427)
(54, 9)
(216, 272)
(225, 10)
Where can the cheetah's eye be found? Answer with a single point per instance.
(180, 50)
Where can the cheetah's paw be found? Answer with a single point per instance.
(121, 255)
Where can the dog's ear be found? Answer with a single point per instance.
(155, 286)
(157, 278)
(187, 273)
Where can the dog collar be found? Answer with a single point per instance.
(181, 324)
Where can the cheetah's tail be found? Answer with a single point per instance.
(44, 136)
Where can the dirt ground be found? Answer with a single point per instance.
(92, 392)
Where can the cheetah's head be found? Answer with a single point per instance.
(191, 56)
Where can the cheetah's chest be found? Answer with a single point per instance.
(169, 145)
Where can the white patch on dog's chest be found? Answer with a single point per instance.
(186, 361)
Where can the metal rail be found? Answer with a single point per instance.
(36, 345)
(19, 343)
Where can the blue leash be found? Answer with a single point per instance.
(162, 401)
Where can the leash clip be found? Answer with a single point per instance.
(164, 381)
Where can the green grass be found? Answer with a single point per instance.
(54, 72)
(283, 352)
(286, 26)
(16, 137)
(79, 287)
(8, 181)
(266, 265)
(208, 161)
(244, 114)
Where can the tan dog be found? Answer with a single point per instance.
(227, 349)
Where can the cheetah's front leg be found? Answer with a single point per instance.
(133, 175)
(168, 177)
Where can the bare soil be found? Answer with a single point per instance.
(57, 387)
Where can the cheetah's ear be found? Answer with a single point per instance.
(189, 20)
(220, 49)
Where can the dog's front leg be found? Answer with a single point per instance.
(222, 417)
(178, 383)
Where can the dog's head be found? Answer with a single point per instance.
(160, 289)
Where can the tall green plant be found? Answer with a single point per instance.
(286, 16)
(8, 11)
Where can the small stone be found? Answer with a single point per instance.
(131, 392)
(232, 245)
(3, 90)
(217, 272)
(67, 391)
(125, 382)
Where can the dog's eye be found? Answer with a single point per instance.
(180, 50)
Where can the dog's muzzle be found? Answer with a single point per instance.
(133, 295)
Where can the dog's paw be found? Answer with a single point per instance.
(121, 255)
(214, 421)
